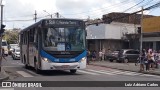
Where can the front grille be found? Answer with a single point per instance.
(59, 55)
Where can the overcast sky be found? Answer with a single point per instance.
(20, 13)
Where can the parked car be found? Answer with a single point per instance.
(16, 53)
(128, 55)
(113, 55)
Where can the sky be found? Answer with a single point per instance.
(20, 13)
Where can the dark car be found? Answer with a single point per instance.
(128, 55)
(113, 55)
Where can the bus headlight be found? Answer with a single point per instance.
(46, 60)
(83, 59)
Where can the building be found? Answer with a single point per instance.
(151, 33)
(120, 33)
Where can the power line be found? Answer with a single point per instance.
(99, 9)
(22, 16)
(134, 6)
(149, 2)
(97, 14)
(153, 6)
(22, 20)
(120, 17)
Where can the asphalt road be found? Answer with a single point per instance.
(16, 71)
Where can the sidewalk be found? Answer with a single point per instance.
(124, 66)
(3, 75)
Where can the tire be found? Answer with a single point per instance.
(126, 60)
(73, 71)
(13, 58)
(37, 70)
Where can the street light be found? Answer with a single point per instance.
(48, 13)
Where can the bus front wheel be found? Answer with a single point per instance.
(73, 71)
(38, 71)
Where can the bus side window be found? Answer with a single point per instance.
(31, 35)
(36, 37)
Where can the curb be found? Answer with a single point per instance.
(6, 76)
(152, 73)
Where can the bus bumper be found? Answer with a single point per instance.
(63, 66)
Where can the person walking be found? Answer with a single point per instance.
(150, 61)
(88, 56)
(3, 55)
(103, 53)
(142, 59)
(100, 55)
(93, 56)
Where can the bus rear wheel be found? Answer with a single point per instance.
(73, 71)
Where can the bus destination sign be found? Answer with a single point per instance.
(62, 22)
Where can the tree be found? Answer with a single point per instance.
(11, 36)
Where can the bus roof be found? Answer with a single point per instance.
(39, 23)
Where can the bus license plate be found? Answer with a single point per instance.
(65, 66)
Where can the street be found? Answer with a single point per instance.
(119, 41)
(16, 71)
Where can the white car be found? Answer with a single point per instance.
(16, 53)
(12, 46)
(5, 47)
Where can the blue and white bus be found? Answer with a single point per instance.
(54, 44)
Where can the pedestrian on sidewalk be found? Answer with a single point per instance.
(142, 59)
(146, 62)
(150, 57)
(93, 56)
(155, 58)
(100, 55)
(3, 55)
(158, 59)
(103, 53)
(88, 56)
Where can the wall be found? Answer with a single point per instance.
(110, 31)
(151, 25)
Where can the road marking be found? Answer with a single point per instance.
(115, 72)
(102, 72)
(11, 66)
(149, 75)
(6, 88)
(24, 74)
(17, 63)
(88, 72)
(33, 73)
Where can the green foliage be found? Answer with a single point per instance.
(11, 36)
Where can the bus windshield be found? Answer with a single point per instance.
(64, 39)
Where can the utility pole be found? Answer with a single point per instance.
(57, 15)
(141, 37)
(35, 16)
(1, 35)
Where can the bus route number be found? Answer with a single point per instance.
(50, 22)
(60, 22)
